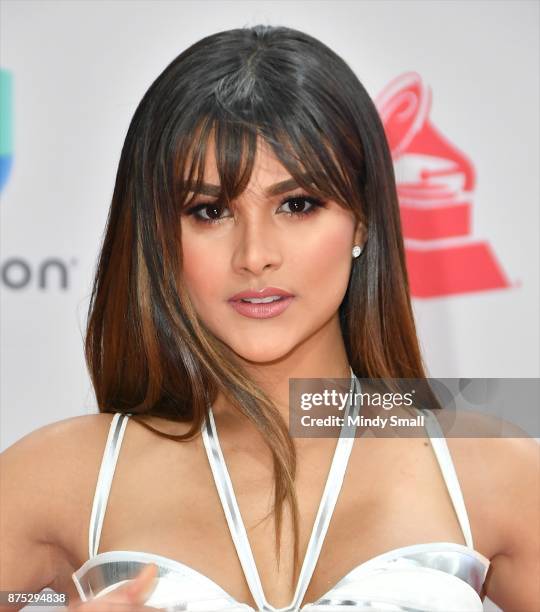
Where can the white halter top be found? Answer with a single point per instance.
(434, 577)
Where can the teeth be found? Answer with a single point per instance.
(266, 300)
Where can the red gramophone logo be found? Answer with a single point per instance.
(435, 184)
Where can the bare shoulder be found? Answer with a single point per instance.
(47, 447)
(494, 451)
(48, 479)
(44, 464)
(498, 466)
(39, 474)
(63, 432)
(60, 461)
(495, 460)
(69, 445)
(51, 451)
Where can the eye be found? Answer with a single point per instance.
(297, 205)
(212, 210)
(297, 208)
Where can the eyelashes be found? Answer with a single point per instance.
(295, 202)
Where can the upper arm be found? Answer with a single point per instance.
(46, 485)
(27, 555)
(512, 582)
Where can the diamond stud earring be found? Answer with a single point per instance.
(357, 249)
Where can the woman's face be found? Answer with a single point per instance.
(260, 245)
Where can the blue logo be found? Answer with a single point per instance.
(6, 135)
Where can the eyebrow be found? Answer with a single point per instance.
(273, 190)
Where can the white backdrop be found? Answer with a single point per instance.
(77, 71)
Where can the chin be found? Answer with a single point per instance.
(262, 352)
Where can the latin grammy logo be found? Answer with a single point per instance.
(435, 184)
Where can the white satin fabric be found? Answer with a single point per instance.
(434, 577)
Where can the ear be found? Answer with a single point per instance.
(360, 234)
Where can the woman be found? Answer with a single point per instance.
(256, 170)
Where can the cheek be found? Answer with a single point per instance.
(327, 263)
(200, 270)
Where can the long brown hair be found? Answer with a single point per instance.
(146, 349)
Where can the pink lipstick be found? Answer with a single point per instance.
(264, 304)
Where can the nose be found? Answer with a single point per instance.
(257, 247)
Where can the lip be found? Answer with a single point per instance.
(262, 293)
(262, 311)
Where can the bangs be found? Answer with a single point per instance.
(309, 159)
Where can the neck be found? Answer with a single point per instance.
(322, 355)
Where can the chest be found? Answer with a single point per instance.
(392, 495)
